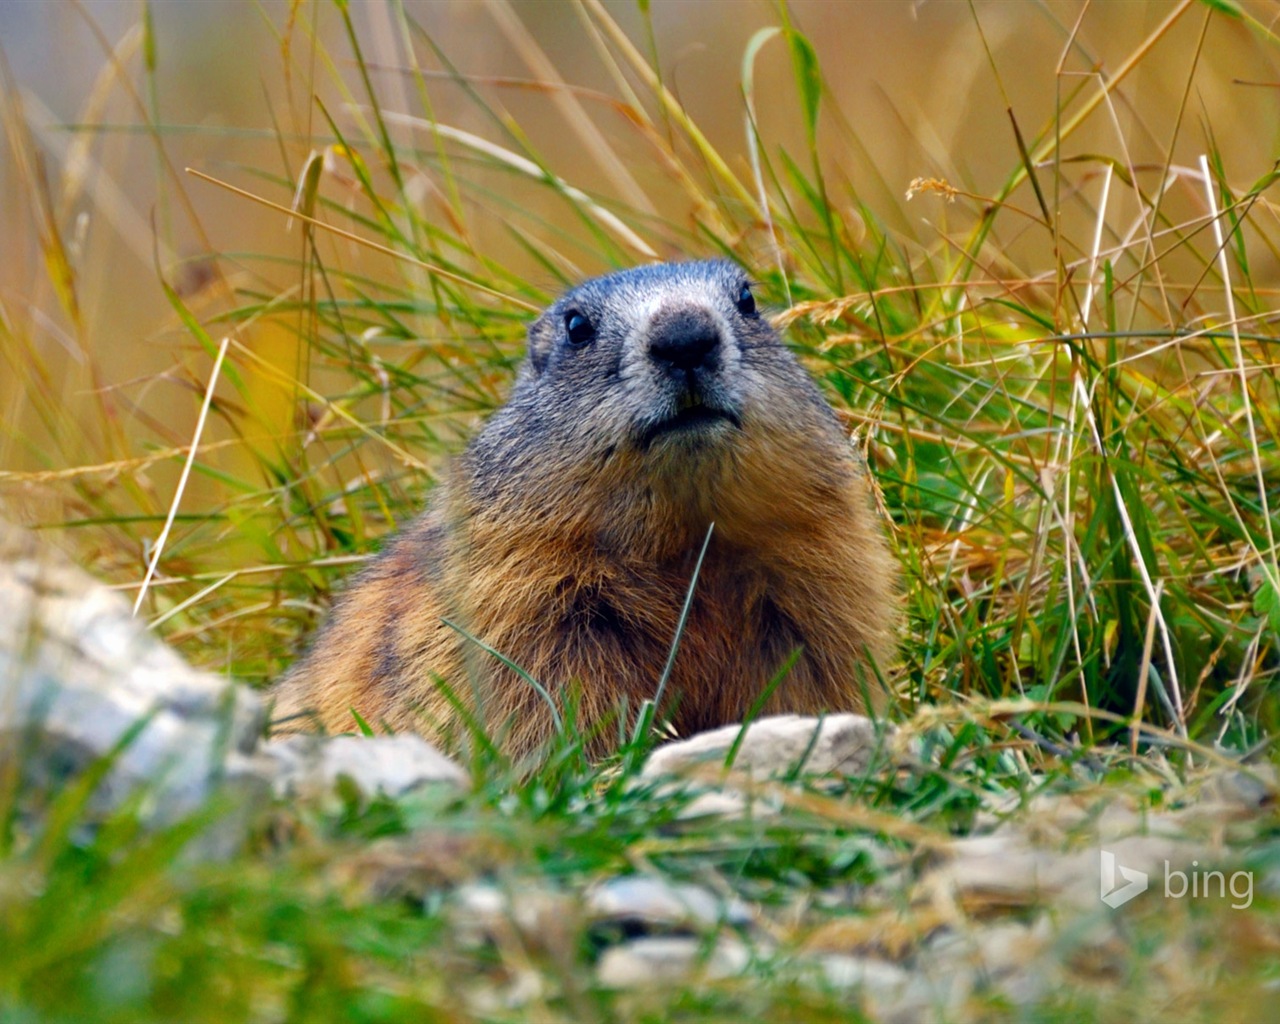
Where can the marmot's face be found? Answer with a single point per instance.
(670, 359)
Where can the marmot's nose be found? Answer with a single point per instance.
(684, 339)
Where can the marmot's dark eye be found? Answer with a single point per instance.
(746, 301)
(579, 328)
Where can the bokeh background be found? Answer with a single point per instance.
(916, 89)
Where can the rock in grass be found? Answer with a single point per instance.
(541, 916)
(877, 979)
(642, 902)
(81, 679)
(378, 765)
(711, 765)
(670, 959)
(780, 745)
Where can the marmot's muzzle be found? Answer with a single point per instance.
(685, 339)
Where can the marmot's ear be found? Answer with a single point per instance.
(541, 339)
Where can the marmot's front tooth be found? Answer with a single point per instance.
(689, 400)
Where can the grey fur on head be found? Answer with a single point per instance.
(671, 356)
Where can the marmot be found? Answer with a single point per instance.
(651, 404)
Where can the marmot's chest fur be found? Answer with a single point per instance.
(652, 404)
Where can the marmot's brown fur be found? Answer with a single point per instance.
(652, 403)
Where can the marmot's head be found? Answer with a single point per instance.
(663, 372)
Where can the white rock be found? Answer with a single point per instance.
(392, 766)
(835, 744)
(481, 912)
(657, 902)
(1004, 947)
(935, 996)
(1027, 862)
(496, 999)
(878, 978)
(728, 804)
(1013, 958)
(78, 672)
(660, 960)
